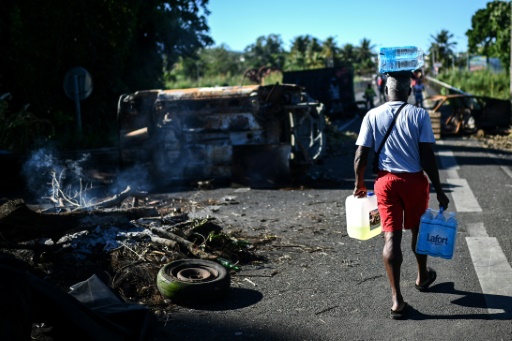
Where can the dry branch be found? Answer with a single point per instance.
(163, 241)
(19, 223)
(182, 241)
(116, 200)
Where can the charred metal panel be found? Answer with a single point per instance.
(189, 134)
(262, 166)
(133, 114)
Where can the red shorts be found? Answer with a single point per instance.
(401, 198)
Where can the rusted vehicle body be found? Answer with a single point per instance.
(254, 135)
(465, 114)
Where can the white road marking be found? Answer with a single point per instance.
(494, 273)
(463, 197)
(491, 266)
(507, 171)
(476, 230)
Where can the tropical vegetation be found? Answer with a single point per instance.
(133, 45)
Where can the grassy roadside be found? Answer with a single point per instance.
(479, 83)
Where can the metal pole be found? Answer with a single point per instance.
(77, 106)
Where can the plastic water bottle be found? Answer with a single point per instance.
(437, 234)
(440, 219)
(427, 217)
(451, 226)
(363, 219)
(402, 58)
(452, 221)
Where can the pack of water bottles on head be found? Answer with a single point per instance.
(401, 58)
(437, 234)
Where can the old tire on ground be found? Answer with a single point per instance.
(193, 280)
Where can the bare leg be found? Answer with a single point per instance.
(392, 256)
(420, 259)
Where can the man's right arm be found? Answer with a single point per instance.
(429, 165)
(360, 162)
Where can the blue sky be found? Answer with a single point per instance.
(238, 23)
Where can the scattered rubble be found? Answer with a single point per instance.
(124, 250)
(502, 142)
(127, 237)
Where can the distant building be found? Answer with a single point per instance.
(480, 63)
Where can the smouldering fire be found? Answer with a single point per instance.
(62, 182)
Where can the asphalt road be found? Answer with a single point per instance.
(319, 284)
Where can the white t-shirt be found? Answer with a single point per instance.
(401, 150)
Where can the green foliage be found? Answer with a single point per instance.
(365, 57)
(207, 81)
(479, 83)
(348, 53)
(22, 130)
(330, 51)
(441, 49)
(210, 63)
(306, 53)
(490, 32)
(135, 45)
(266, 51)
(125, 45)
(219, 80)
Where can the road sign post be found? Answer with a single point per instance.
(78, 86)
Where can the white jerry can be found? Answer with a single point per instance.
(363, 219)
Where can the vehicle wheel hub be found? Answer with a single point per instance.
(194, 275)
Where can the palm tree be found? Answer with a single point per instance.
(267, 51)
(314, 54)
(297, 58)
(329, 51)
(365, 56)
(305, 53)
(365, 50)
(441, 48)
(348, 53)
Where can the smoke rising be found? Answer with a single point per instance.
(51, 178)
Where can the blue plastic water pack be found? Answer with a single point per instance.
(401, 58)
(437, 234)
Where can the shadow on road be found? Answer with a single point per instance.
(469, 299)
(237, 298)
(491, 156)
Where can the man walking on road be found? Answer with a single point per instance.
(418, 89)
(368, 95)
(401, 187)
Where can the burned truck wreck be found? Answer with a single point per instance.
(253, 135)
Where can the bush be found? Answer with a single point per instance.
(21, 130)
(479, 83)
